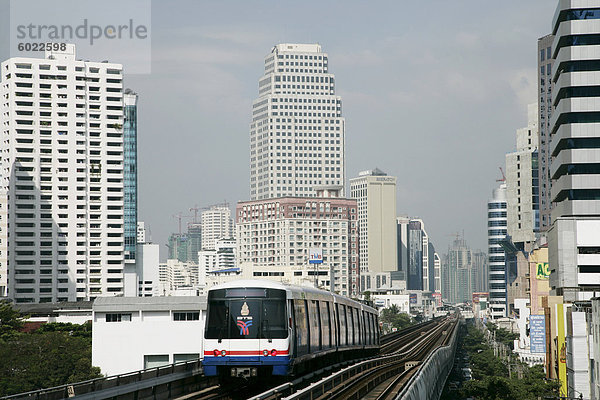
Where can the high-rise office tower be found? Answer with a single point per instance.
(297, 135)
(522, 184)
(216, 224)
(545, 85)
(496, 257)
(573, 239)
(62, 177)
(375, 193)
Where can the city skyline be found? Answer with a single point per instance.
(384, 71)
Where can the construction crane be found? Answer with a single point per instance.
(179, 216)
(503, 176)
(195, 209)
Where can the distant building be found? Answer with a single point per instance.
(522, 184)
(375, 193)
(142, 234)
(418, 262)
(458, 273)
(280, 232)
(178, 247)
(222, 257)
(175, 275)
(194, 244)
(147, 263)
(497, 223)
(216, 224)
(297, 135)
(434, 273)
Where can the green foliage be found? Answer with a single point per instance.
(503, 335)
(10, 320)
(491, 380)
(395, 318)
(53, 355)
(83, 330)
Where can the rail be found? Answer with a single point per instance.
(117, 384)
(381, 368)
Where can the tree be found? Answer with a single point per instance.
(491, 380)
(10, 320)
(395, 318)
(54, 355)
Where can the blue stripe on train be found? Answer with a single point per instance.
(281, 364)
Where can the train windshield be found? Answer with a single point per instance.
(246, 314)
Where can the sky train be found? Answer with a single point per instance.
(258, 328)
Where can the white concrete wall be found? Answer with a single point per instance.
(120, 347)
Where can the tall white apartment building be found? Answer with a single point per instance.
(375, 193)
(522, 183)
(62, 170)
(175, 275)
(297, 133)
(573, 239)
(216, 224)
(496, 257)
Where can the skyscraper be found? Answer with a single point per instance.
(463, 272)
(496, 258)
(375, 193)
(545, 85)
(297, 134)
(573, 239)
(62, 177)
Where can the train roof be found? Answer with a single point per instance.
(268, 284)
(264, 283)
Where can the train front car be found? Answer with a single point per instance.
(247, 331)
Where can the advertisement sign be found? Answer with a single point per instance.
(413, 298)
(537, 333)
(542, 271)
(562, 364)
(315, 256)
(438, 299)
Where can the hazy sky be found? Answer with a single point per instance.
(432, 92)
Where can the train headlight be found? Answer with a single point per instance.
(216, 352)
(265, 353)
(223, 353)
(273, 352)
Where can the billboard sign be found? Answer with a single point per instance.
(542, 271)
(413, 298)
(315, 256)
(537, 333)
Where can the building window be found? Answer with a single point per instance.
(155, 360)
(118, 317)
(186, 316)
